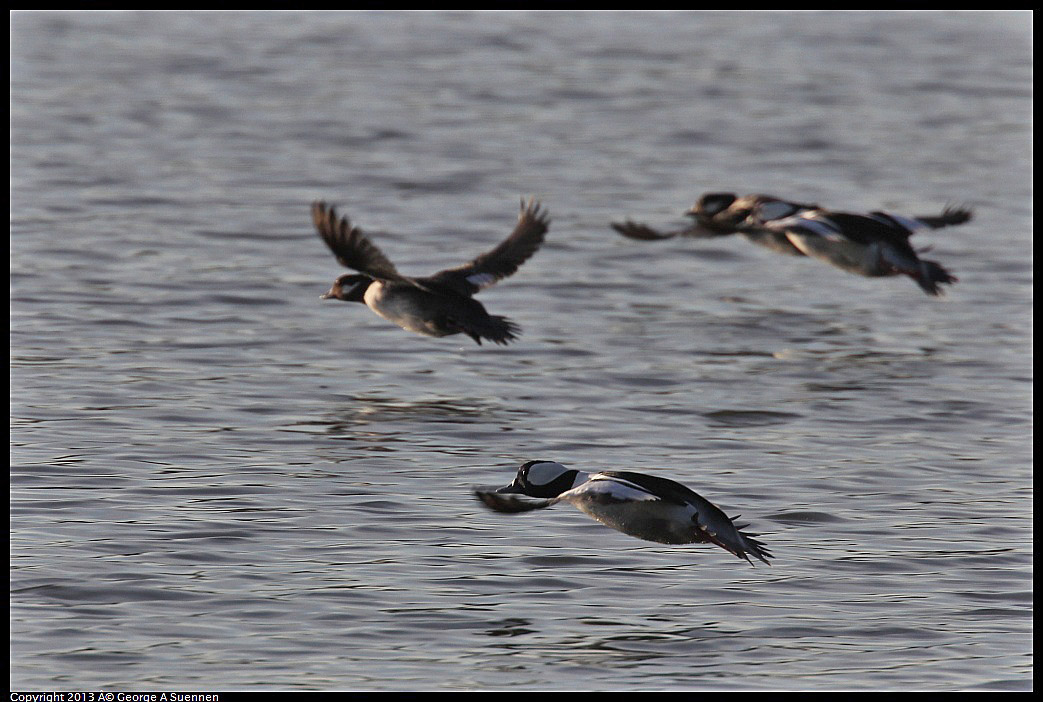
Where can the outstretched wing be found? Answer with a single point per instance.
(350, 245)
(642, 232)
(713, 524)
(846, 227)
(503, 260)
(949, 217)
(511, 502)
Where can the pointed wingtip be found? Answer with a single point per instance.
(533, 209)
(323, 214)
(957, 214)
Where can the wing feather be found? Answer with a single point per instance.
(502, 261)
(351, 247)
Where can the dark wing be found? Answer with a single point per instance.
(878, 226)
(633, 230)
(511, 502)
(642, 232)
(502, 261)
(713, 523)
(350, 245)
(839, 226)
(661, 488)
(950, 216)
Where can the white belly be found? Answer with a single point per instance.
(400, 308)
(848, 255)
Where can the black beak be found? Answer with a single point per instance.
(512, 489)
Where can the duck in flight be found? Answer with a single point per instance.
(724, 214)
(437, 305)
(873, 244)
(645, 506)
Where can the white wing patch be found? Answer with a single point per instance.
(617, 489)
(481, 280)
(816, 224)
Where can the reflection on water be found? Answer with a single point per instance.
(749, 418)
(376, 410)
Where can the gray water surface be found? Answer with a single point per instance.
(220, 482)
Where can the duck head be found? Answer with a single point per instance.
(350, 287)
(545, 479)
(710, 204)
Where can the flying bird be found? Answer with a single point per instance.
(724, 214)
(874, 244)
(437, 305)
(645, 506)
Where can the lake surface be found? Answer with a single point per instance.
(221, 482)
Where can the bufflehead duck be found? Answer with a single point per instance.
(873, 244)
(645, 506)
(440, 304)
(724, 214)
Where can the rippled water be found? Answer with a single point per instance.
(219, 481)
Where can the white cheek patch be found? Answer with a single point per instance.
(545, 472)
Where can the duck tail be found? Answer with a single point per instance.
(930, 275)
(746, 544)
(496, 329)
(756, 547)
